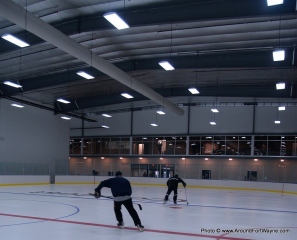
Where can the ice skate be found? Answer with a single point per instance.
(140, 227)
(121, 225)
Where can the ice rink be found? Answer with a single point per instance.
(63, 212)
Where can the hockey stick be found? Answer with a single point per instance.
(92, 194)
(186, 196)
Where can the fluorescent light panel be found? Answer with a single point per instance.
(63, 101)
(281, 108)
(17, 105)
(126, 95)
(166, 65)
(274, 2)
(12, 84)
(212, 123)
(279, 55)
(104, 126)
(15, 40)
(106, 115)
(214, 110)
(154, 124)
(277, 122)
(116, 20)
(280, 85)
(193, 90)
(66, 118)
(160, 112)
(85, 75)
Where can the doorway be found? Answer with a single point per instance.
(167, 171)
(206, 174)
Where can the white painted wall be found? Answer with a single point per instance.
(119, 124)
(32, 135)
(231, 119)
(228, 120)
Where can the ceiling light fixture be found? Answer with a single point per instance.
(154, 124)
(278, 55)
(126, 95)
(63, 101)
(277, 122)
(161, 112)
(116, 20)
(85, 75)
(280, 85)
(66, 118)
(15, 85)
(281, 108)
(166, 65)
(214, 110)
(15, 40)
(106, 115)
(193, 90)
(274, 2)
(104, 126)
(212, 123)
(17, 105)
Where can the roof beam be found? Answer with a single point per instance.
(20, 16)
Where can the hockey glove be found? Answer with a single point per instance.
(97, 194)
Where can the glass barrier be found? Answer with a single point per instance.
(7, 168)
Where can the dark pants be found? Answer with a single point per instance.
(129, 206)
(168, 193)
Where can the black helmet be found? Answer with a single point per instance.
(176, 175)
(118, 173)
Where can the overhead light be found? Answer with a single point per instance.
(282, 160)
(281, 108)
(116, 20)
(154, 124)
(280, 85)
(63, 101)
(15, 85)
(15, 40)
(206, 159)
(166, 65)
(85, 75)
(274, 2)
(213, 123)
(104, 126)
(106, 115)
(66, 118)
(214, 110)
(160, 112)
(17, 105)
(279, 55)
(126, 95)
(193, 90)
(277, 122)
(255, 159)
(230, 159)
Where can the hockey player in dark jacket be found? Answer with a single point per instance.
(172, 184)
(121, 191)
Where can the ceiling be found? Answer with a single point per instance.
(221, 47)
